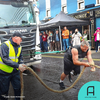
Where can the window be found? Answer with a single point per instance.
(48, 13)
(48, 8)
(80, 4)
(16, 13)
(64, 6)
(97, 2)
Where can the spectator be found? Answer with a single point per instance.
(57, 41)
(53, 42)
(97, 37)
(65, 36)
(70, 38)
(76, 37)
(44, 37)
(84, 36)
(41, 42)
(48, 42)
(50, 39)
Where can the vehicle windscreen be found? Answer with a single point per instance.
(16, 14)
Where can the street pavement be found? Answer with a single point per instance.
(49, 70)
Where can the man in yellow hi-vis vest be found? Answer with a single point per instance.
(10, 66)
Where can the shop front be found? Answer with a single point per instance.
(90, 28)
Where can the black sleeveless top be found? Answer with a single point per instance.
(81, 54)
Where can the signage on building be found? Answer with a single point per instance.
(89, 6)
(82, 16)
(85, 15)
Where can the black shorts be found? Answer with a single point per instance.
(69, 66)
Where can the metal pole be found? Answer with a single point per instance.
(37, 23)
(90, 36)
(60, 36)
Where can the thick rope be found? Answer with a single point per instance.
(56, 91)
(22, 85)
(94, 65)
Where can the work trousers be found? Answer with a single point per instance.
(5, 80)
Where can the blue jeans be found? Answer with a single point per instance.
(5, 80)
(66, 43)
(45, 46)
(41, 45)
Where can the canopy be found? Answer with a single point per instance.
(63, 20)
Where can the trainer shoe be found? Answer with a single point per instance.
(72, 73)
(71, 81)
(70, 78)
(62, 85)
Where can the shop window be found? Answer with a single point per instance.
(48, 13)
(80, 4)
(64, 6)
(48, 8)
(98, 1)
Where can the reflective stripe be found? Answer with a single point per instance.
(13, 57)
(2, 63)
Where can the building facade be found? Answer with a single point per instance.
(81, 9)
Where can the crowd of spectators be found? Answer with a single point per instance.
(50, 40)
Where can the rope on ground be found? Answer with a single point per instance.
(56, 91)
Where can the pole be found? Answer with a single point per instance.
(60, 36)
(37, 23)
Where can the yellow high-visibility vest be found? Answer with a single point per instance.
(12, 56)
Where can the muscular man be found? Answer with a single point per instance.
(73, 60)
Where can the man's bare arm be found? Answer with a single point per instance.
(90, 60)
(75, 58)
